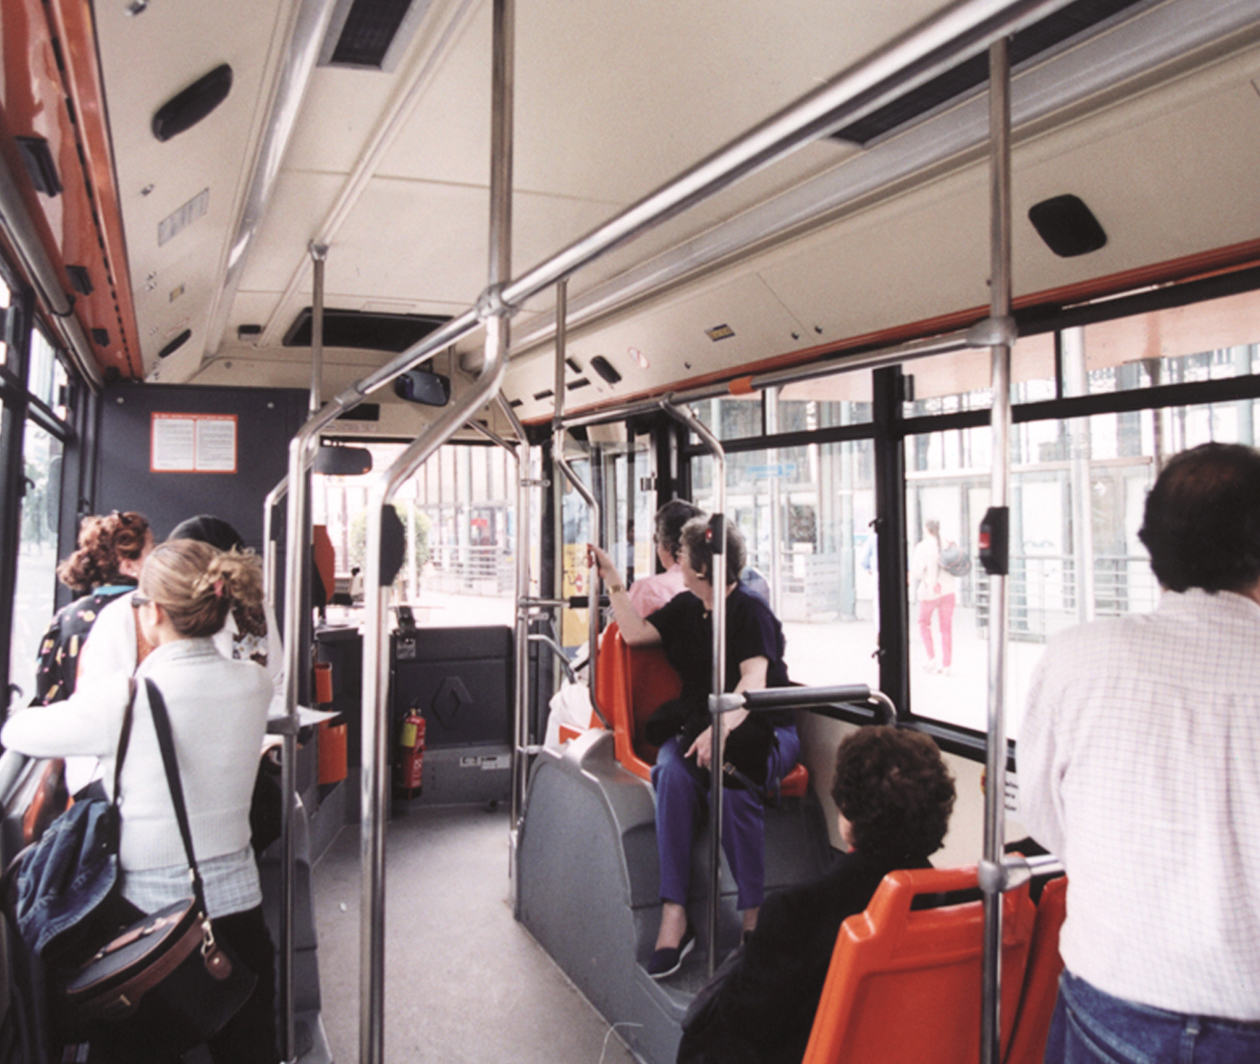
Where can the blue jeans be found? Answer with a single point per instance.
(1090, 1027)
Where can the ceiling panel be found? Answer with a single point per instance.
(196, 176)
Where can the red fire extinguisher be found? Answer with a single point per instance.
(410, 777)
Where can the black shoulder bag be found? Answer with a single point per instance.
(168, 961)
(59, 889)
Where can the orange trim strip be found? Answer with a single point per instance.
(51, 91)
(81, 72)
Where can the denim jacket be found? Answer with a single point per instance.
(65, 877)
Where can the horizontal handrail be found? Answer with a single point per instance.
(791, 697)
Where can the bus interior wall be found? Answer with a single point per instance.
(263, 420)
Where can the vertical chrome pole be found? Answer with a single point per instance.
(373, 797)
(525, 481)
(270, 572)
(296, 561)
(588, 495)
(375, 788)
(718, 681)
(319, 253)
(995, 774)
(1076, 382)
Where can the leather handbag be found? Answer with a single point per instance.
(166, 969)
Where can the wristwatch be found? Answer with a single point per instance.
(614, 588)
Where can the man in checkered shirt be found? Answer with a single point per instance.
(1139, 766)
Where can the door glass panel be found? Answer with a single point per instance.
(37, 555)
(805, 513)
(458, 511)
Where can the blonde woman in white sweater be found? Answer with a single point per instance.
(218, 711)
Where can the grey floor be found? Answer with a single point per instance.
(464, 981)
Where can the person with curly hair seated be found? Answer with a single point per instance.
(894, 795)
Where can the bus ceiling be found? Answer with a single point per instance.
(177, 250)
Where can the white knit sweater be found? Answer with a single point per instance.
(218, 711)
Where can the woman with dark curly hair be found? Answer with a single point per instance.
(894, 796)
(111, 549)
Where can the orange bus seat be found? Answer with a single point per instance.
(1041, 983)
(631, 683)
(904, 985)
(795, 783)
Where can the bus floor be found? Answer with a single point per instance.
(463, 980)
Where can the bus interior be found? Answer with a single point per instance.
(425, 295)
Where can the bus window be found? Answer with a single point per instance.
(1213, 340)
(805, 513)
(37, 553)
(732, 417)
(48, 381)
(457, 511)
(1078, 488)
(959, 382)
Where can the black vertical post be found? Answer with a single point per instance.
(17, 333)
(890, 510)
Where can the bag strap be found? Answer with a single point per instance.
(124, 739)
(166, 743)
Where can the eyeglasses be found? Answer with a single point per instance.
(138, 600)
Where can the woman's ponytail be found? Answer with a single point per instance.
(197, 585)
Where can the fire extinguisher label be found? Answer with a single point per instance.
(408, 737)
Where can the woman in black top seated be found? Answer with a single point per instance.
(894, 796)
(760, 748)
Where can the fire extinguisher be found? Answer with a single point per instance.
(410, 778)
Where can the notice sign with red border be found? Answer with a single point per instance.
(192, 443)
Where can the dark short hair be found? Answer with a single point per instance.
(698, 544)
(206, 528)
(670, 519)
(893, 786)
(1202, 519)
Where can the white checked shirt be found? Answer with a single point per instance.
(1139, 766)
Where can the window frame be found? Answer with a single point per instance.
(889, 429)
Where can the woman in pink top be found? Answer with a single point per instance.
(650, 593)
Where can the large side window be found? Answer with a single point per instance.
(1077, 490)
(1100, 405)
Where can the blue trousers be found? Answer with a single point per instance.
(682, 805)
(1090, 1027)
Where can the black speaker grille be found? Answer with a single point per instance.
(368, 32)
(1028, 42)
